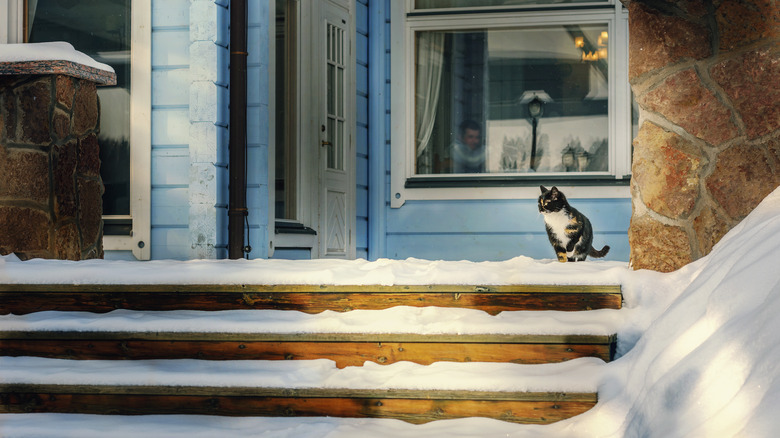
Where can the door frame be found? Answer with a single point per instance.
(310, 170)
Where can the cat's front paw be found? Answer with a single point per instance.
(562, 257)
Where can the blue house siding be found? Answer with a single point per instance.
(170, 129)
(362, 149)
(495, 229)
(190, 142)
(478, 230)
(189, 125)
(258, 121)
(378, 136)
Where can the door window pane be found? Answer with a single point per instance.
(101, 29)
(473, 100)
(335, 99)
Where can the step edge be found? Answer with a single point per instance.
(283, 392)
(609, 289)
(483, 338)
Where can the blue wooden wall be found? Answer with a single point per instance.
(478, 230)
(190, 78)
(183, 130)
(257, 126)
(170, 129)
(361, 162)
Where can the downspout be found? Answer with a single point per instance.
(237, 211)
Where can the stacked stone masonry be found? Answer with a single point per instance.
(50, 190)
(706, 78)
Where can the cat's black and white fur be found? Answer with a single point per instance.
(569, 231)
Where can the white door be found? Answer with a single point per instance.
(336, 188)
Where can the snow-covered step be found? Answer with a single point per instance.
(493, 299)
(345, 349)
(406, 391)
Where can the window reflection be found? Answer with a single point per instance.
(487, 78)
(100, 29)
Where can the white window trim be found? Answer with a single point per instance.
(139, 242)
(402, 72)
(11, 31)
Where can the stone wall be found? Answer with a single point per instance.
(50, 189)
(706, 77)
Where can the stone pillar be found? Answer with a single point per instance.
(706, 77)
(50, 186)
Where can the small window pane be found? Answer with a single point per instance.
(473, 98)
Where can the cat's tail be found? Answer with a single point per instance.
(600, 253)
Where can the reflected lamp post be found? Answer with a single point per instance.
(535, 110)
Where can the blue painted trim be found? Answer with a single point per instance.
(377, 223)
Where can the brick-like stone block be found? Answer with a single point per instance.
(751, 82)
(666, 176)
(741, 180)
(658, 40)
(89, 156)
(773, 146)
(683, 100)
(90, 211)
(710, 227)
(656, 246)
(61, 124)
(66, 87)
(25, 175)
(693, 8)
(64, 173)
(33, 102)
(24, 231)
(67, 243)
(742, 22)
(85, 108)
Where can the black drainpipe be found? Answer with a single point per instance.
(237, 211)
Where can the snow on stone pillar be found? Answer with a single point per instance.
(705, 77)
(50, 185)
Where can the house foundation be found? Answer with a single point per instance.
(705, 76)
(50, 189)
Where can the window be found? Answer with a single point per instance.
(116, 34)
(496, 98)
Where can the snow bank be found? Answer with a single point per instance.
(700, 347)
(52, 51)
(708, 364)
(580, 375)
(519, 270)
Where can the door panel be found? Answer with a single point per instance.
(337, 205)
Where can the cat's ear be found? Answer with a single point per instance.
(544, 190)
(554, 192)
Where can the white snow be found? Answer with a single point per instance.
(52, 51)
(699, 348)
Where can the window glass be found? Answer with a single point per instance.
(512, 100)
(100, 29)
(285, 134)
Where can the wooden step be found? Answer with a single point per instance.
(27, 298)
(345, 349)
(414, 406)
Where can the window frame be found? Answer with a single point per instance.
(406, 185)
(139, 241)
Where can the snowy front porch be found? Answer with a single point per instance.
(230, 335)
(696, 350)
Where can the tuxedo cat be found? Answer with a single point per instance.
(569, 231)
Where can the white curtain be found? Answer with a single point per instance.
(430, 57)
